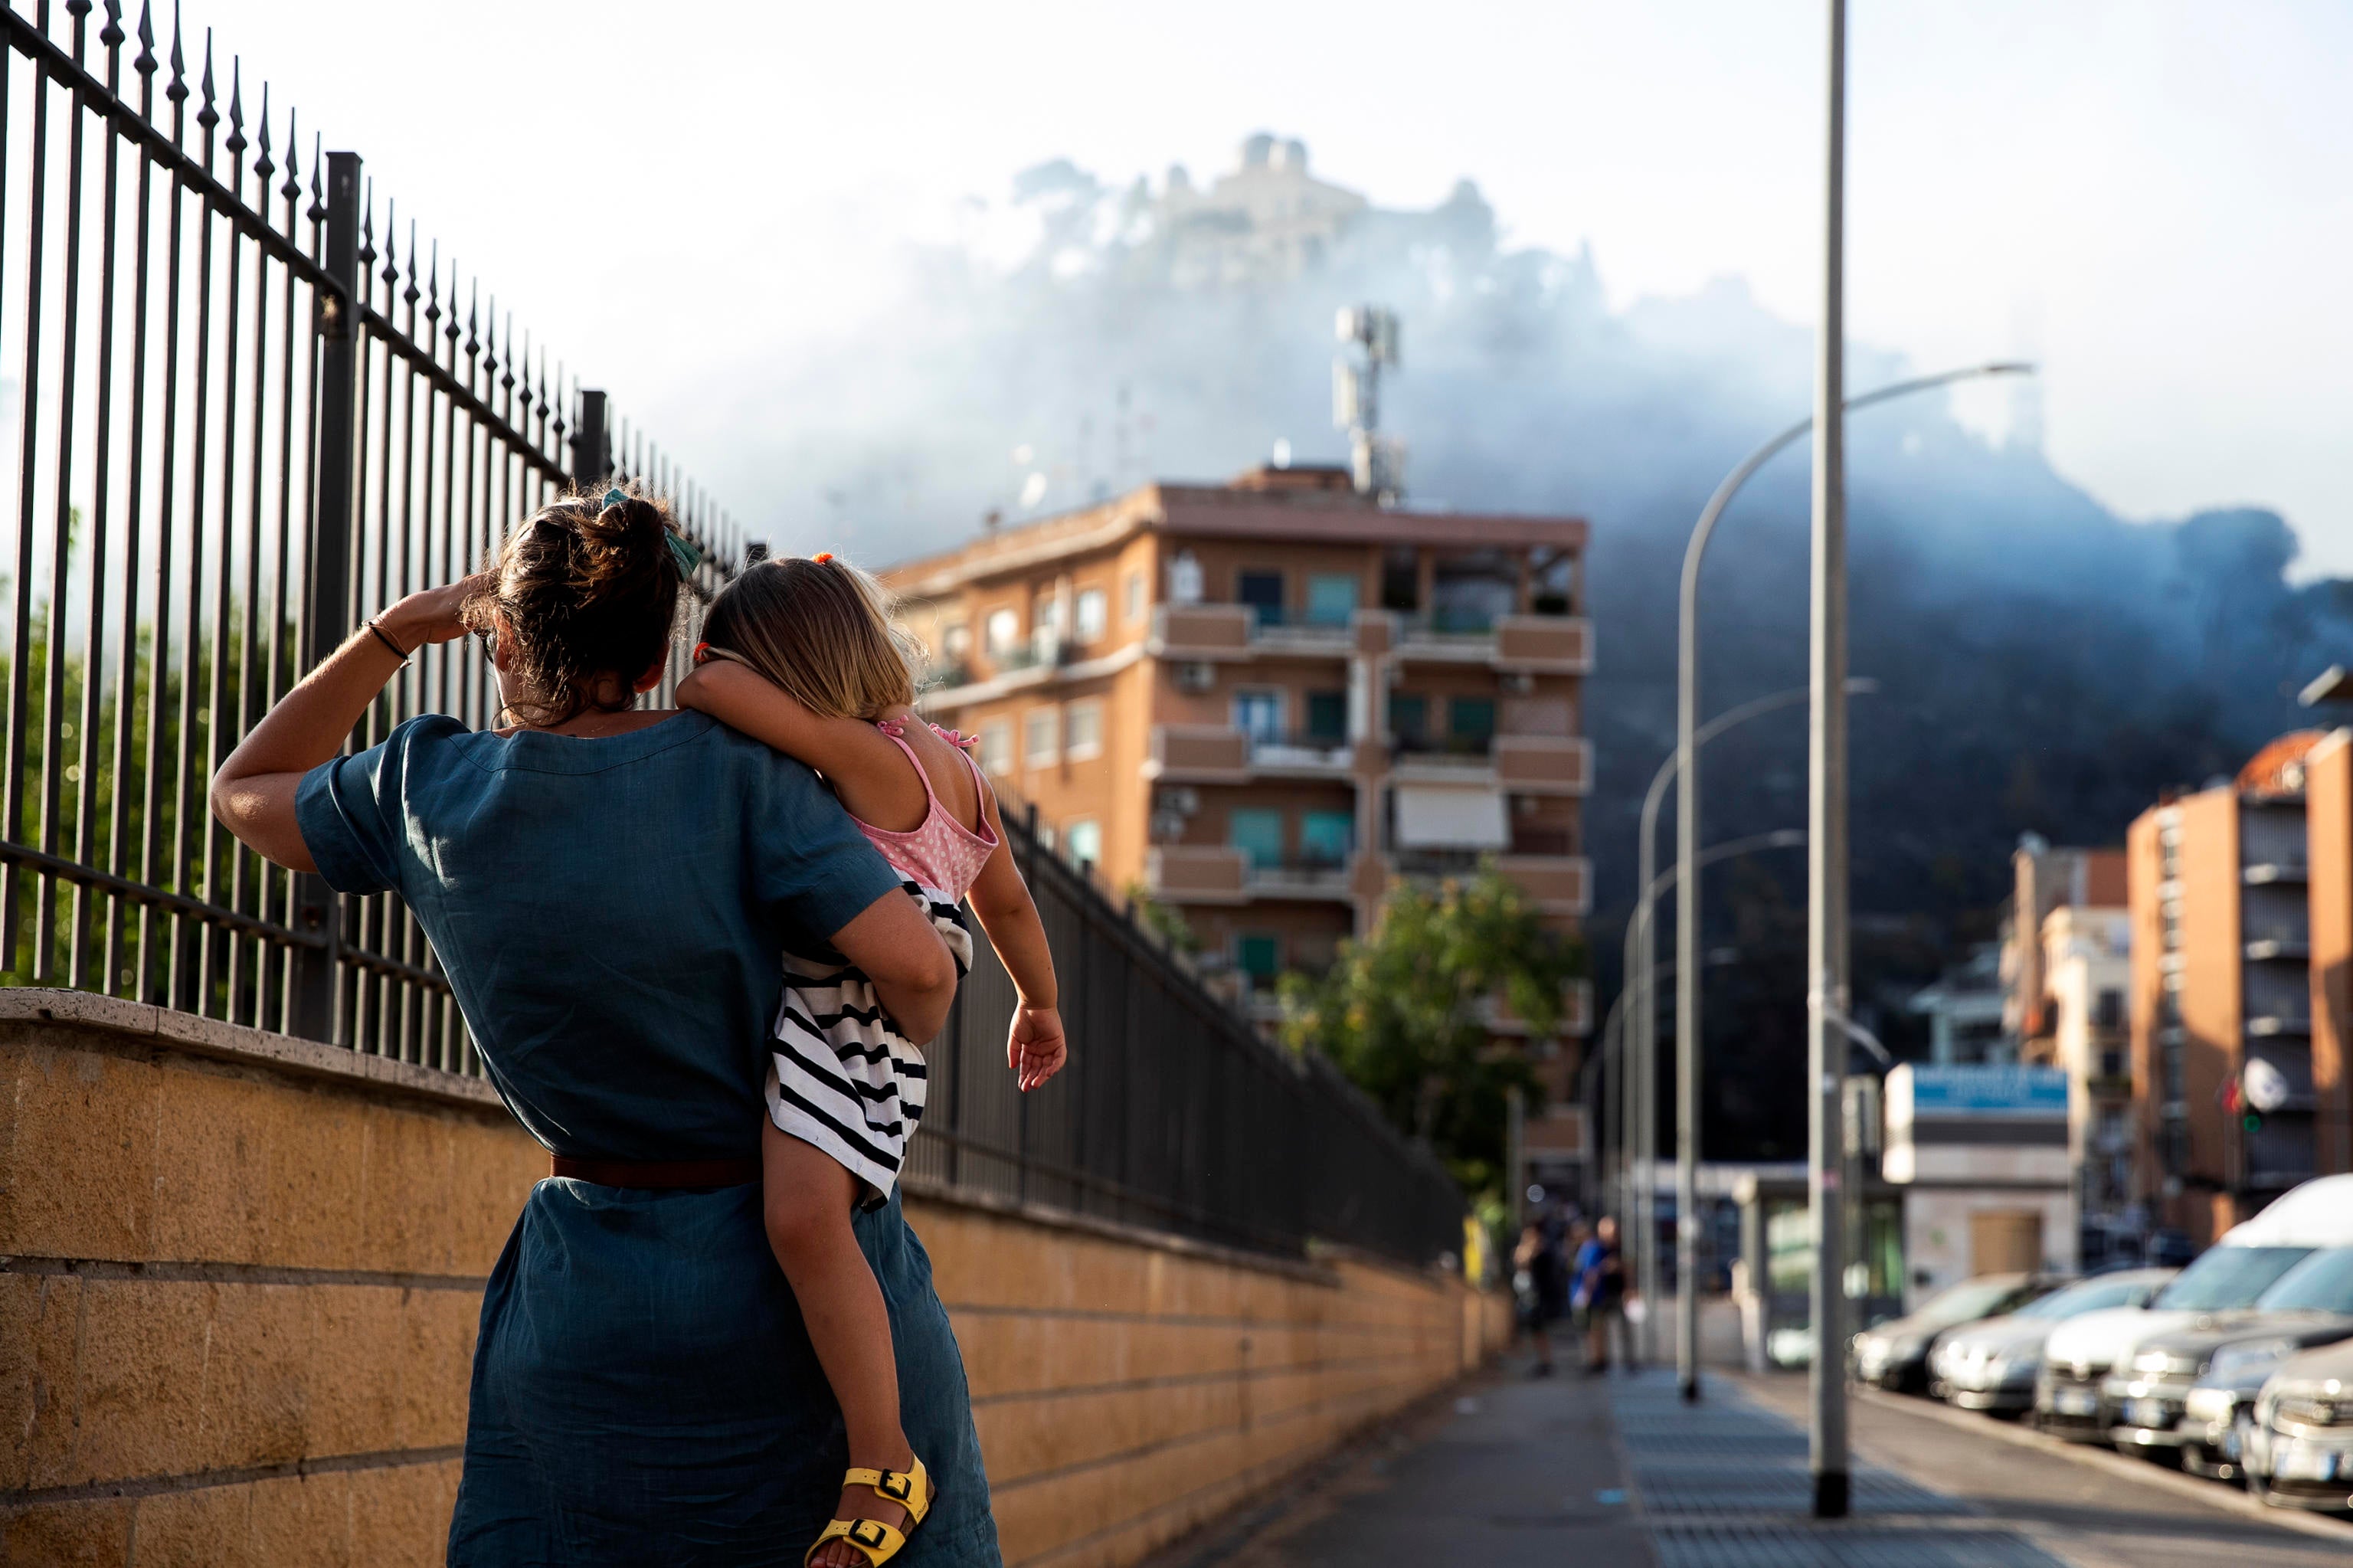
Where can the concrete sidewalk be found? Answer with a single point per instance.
(1517, 1472)
(1508, 1471)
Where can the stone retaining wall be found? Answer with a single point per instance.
(240, 1276)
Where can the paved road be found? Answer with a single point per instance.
(2084, 1509)
(1516, 1472)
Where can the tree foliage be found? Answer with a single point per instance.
(1407, 1012)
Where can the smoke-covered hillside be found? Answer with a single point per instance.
(2045, 664)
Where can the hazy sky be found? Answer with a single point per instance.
(2153, 198)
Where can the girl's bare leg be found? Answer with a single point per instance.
(805, 1201)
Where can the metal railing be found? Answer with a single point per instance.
(1174, 1114)
(242, 418)
(248, 415)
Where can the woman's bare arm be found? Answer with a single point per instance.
(914, 976)
(253, 793)
(866, 770)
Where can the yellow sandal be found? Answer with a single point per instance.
(879, 1543)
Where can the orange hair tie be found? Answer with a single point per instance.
(822, 556)
(702, 652)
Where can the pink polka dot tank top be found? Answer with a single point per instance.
(938, 853)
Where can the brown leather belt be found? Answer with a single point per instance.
(658, 1172)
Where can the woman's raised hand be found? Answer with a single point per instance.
(432, 615)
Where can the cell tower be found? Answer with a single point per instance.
(1377, 460)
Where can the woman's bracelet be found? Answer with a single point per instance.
(386, 638)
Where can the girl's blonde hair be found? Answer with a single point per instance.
(820, 630)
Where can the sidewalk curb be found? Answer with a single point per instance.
(2227, 1497)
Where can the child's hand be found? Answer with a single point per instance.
(1034, 1047)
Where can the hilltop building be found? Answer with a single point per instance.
(1258, 703)
(1268, 218)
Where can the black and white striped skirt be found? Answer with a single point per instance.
(841, 1075)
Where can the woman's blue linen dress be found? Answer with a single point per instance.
(611, 912)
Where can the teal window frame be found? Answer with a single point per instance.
(1331, 599)
(1327, 837)
(1257, 832)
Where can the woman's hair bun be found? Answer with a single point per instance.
(588, 587)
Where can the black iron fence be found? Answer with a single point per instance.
(247, 412)
(1174, 1112)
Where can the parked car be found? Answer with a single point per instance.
(2224, 1361)
(1894, 1354)
(2299, 1444)
(1990, 1365)
(2081, 1353)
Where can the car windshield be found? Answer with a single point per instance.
(2087, 1297)
(2321, 1283)
(1971, 1298)
(2228, 1277)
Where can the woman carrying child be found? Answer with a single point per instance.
(610, 891)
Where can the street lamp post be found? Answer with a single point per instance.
(1640, 966)
(1826, 823)
(1690, 735)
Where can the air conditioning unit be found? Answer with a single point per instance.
(1181, 800)
(1519, 683)
(1195, 677)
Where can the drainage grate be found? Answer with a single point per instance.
(1771, 1545)
(1724, 1485)
(1695, 1491)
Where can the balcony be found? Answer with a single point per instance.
(1544, 764)
(1218, 874)
(1305, 878)
(1537, 644)
(1301, 756)
(1044, 658)
(1557, 884)
(1220, 754)
(2296, 948)
(1444, 759)
(1198, 754)
(1226, 633)
(1197, 873)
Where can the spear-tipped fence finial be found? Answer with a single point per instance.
(206, 115)
(111, 34)
(367, 222)
(262, 167)
(236, 143)
(473, 313)
(178, 90)
(408, 296)
(144, 61)
(293, 186)
(432, 281)
(317, 211)
(450, 331)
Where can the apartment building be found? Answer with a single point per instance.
(1260, 702)
(2087, 972)
(2066, 971)
(2222, 988)
(2328, 837)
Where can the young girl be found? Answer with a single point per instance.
(802, 655)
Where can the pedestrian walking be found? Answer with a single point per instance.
(1600, 1295)
(1543, 1253)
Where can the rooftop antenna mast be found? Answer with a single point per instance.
(1377, 460)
